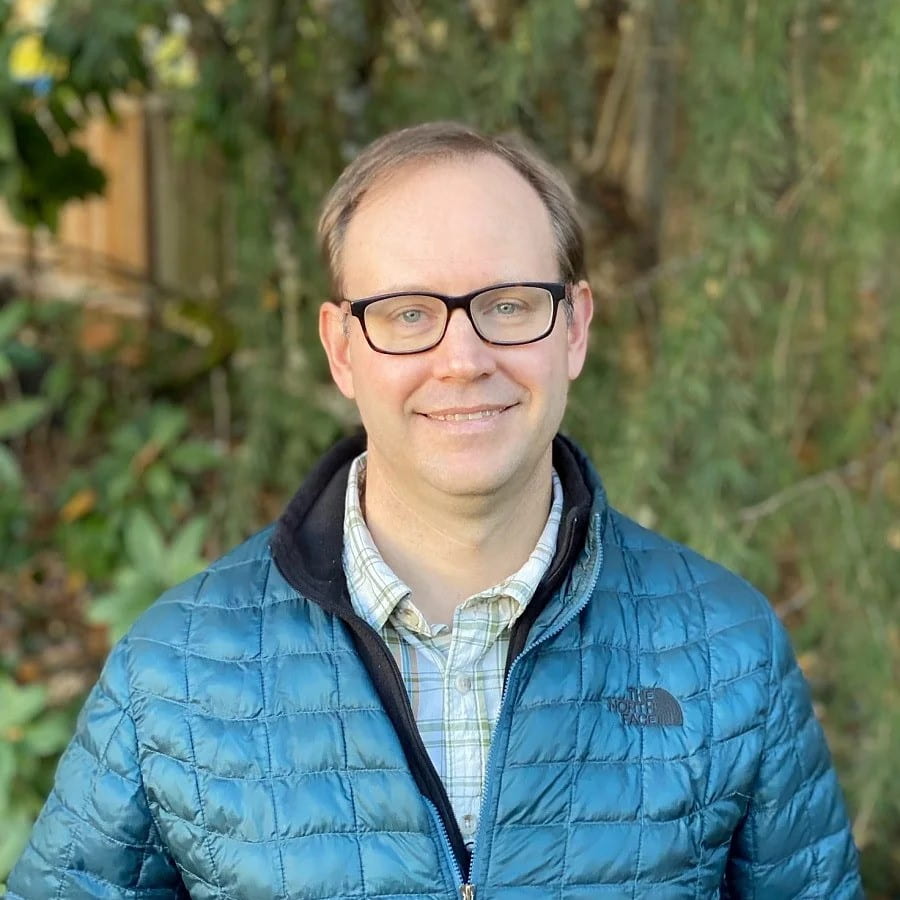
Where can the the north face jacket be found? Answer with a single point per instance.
(250, 738)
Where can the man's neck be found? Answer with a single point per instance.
(448, 548)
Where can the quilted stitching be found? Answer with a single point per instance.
(236, 748)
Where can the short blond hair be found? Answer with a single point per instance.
(448, 140)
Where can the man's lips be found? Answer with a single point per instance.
(466, 414)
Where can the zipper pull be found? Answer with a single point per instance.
(467, 892)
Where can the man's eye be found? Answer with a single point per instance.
(410, 316)
(508, 307)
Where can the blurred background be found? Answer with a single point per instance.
(161, 388)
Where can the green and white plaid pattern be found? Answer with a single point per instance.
(453, 674)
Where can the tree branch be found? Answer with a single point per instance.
(592, 161)
(833, 478)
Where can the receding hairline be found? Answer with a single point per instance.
(382, 179)
(443, 142)
(380, 189)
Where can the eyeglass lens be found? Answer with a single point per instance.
(507, 315)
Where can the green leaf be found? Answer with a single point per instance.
(127, 439)
(10, 473)
(167, 424)
(48, 735)
(185, 552)
(18, 417)
(144, 542)
(6, 367)
(7, 140)
(12, 318)
(82, 407)
(159, 481)
(58, 382)
(13, 839)
(61, 115)
(193, 457)
(132, 593)
(119, 486)
(19, 705)
(7, 775)
(52, 174)
(22, 357)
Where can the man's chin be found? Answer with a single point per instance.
(459, 475)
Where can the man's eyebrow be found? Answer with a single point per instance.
(402, 288)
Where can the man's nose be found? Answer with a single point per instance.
(462, 353)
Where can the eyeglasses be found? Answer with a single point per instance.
(503, 314)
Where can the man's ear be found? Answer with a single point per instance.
(334, 333)
(577, 332)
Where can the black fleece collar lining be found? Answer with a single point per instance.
(307, 544)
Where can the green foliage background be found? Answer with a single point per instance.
(736, 163)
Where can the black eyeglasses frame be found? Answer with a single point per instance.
(558, 291)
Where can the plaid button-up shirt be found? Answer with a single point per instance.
(453, 674)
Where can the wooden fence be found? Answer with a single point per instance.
(160, 226)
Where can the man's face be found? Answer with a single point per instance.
(451, 227)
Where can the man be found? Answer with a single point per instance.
(451, 669)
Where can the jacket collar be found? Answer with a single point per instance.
(307, 542)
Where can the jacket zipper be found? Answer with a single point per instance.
(466, 891)
(466, 888)
(528, 649)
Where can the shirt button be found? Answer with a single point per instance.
(468, 823)
(464, 685)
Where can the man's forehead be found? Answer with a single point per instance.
(450, 226)
(453, 191)
(409, 177)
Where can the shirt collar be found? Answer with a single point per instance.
(375, 590)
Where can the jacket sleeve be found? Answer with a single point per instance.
(795, 839)
(95, 836)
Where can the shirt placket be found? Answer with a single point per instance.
(466, 745)
(428, 649)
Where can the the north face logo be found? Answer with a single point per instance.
(646, 706)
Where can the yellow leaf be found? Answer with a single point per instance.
(893, 538)
(78, 505)
(270, 301)
(808, 663)
(99, 334)
(76, 581)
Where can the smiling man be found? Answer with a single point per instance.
(451, 669)
(460, 408)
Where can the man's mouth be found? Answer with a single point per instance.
(466, 415)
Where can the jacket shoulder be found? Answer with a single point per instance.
(233, 588)
(677, 586)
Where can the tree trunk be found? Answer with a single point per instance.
(651, 150)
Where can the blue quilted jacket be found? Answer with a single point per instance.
(250, 738)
